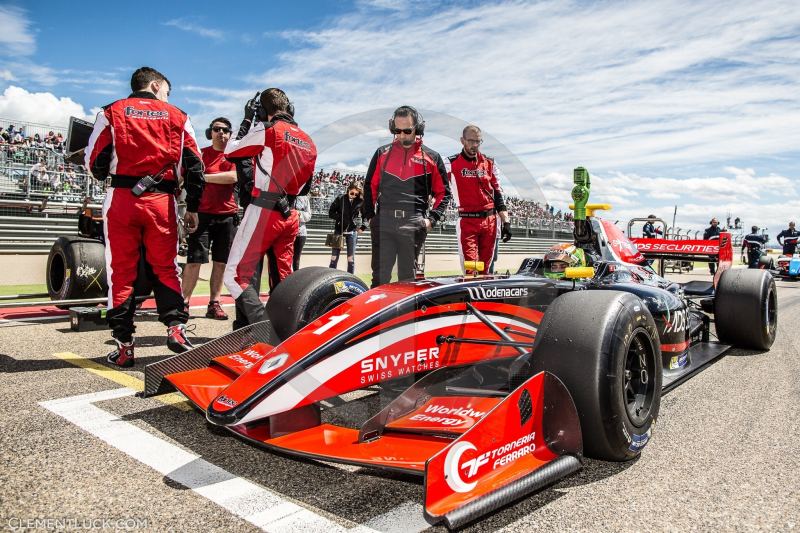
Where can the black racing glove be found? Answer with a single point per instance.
(250, 107)
(505, 232)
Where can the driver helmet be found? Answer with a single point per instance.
(560, 257)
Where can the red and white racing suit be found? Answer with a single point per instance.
(285, 157)
(132, 138)
(477, 192)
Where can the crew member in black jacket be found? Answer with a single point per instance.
(789, 237)
(754, 244)
(712, 232)
(403, 179)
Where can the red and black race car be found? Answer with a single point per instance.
(510, 379)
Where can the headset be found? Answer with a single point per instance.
(218, 119)
(261, 113)
(419, 122)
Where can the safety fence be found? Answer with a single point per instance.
(31, 231)
(31, 129)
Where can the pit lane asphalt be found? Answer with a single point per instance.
(724, 454)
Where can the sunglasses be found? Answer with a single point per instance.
(352, 194)
(218, 129)
(407, 131)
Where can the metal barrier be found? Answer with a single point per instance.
(32, 128)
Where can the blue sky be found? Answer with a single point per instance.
(685, 103)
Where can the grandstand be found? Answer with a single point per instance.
(41, 195)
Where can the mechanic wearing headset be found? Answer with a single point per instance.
(474, 179)
(284, 162)
(217, 216)
(754, 244)
(145, 144)
(789, 237)
(402, 178)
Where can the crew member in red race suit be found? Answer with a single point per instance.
(142, 135)
(402, 178)
(477, 193)
(217, 214)
(284, 156)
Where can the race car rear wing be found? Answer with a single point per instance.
(717, 250)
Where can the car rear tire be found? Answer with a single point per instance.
(603, 345)
(746, 308)
(307, 294)
(76, 268)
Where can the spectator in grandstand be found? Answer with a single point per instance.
(284, 156)
(712, 232)
(344, 210)
(5, 137)
(789, 237)
(402, 179)
(475, 182)
(217, 219)
(753, 244)
(649, 230)
(303, 207)
(37, 176)
(143, 135)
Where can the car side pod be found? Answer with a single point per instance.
(528, 441)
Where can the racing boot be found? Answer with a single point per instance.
(177, 340)
(123, 355)
(215, 311)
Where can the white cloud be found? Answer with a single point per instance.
(186, 24)
(349, 168)
(43, 108)
(16, 38)
(666, 103)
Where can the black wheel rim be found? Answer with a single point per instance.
(639, 378)
(771, 312)
(341, 298)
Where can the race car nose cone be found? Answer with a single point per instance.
(229, 417)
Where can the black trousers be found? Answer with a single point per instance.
(395, 240)
(752, 258)
(169, 303)
(299, 242)
(249, 307)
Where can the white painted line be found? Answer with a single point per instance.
(261, 507)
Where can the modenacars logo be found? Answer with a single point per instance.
(495, 293)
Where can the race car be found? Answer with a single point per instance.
(788, 266)
(490, 387)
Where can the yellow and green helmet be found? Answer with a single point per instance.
(560, 257)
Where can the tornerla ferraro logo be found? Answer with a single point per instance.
(496, 293)
(462, 476)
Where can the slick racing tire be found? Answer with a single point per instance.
(766, 262)
(76, 268)
(603, 345)
(746, 308)
(307, 294)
